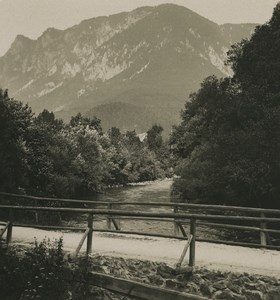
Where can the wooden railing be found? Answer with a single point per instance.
(181, 214)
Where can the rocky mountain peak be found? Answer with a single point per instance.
(20, 43)
(147, 60)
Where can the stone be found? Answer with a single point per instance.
(197, 279)
(220, 285)
(238, 296)
(251, 286)
(146, 280)
(269, 280)
(273, 294)
(206, 289)
(171, 284)
(181, 277)
(262, 286)
(254, 295)
(156, 279)
(234, 287)
(192, 288)
(224, 294)
(165, 271)
(241, 280)
(132, 268)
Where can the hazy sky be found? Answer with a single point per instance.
(32, 17)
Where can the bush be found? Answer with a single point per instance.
(41, 272)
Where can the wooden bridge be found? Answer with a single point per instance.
(186, 218)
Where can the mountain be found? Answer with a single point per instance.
(142, 63)
(236, 32)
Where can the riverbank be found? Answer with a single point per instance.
(213, 256)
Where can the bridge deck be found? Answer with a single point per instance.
(214, 256)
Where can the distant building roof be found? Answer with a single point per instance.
(142, 136)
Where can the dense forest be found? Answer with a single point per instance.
(41, 155)
(228, 142)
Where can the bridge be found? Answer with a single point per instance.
(185, 217)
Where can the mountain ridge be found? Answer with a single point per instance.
(151, 58)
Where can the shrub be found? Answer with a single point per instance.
(42, 272)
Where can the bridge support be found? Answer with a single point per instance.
(262, 233)
(192, 245)
(176, 227)
(10, 227)
(90, 233)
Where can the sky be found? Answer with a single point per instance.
(32, 17)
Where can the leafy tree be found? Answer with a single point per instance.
(115, 136)
(48, 118)
(41, 143)
(228, 142)
(154, 138)
(256, 63)
(132, 141)
(15, 119)
(88, 157)
(93, 122)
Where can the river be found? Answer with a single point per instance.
(157, 191)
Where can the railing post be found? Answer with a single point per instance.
(109, 219)
(90, 233)
(176, 227)
(262, 233)
(10, 227)
(118, 223)
(36, 213)
(192, 245)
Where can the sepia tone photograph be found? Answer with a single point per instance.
(139, 149)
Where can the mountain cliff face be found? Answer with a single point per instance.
(143, 63)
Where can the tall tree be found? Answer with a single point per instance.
(15, 119)
(228, 140)
(154, 138)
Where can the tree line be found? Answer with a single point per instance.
(228, 142)
(42, 155)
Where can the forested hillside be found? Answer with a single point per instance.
(228, 142)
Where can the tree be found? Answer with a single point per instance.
(228, 142)
(115, 136)
(93, 122)
(154, 138)
(15, 119)
(256, 62)
(48, 118)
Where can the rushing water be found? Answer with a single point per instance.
(157, 191)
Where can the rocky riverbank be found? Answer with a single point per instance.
(203, 282)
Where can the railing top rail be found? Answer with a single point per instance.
(112, 212)
(157, 204)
